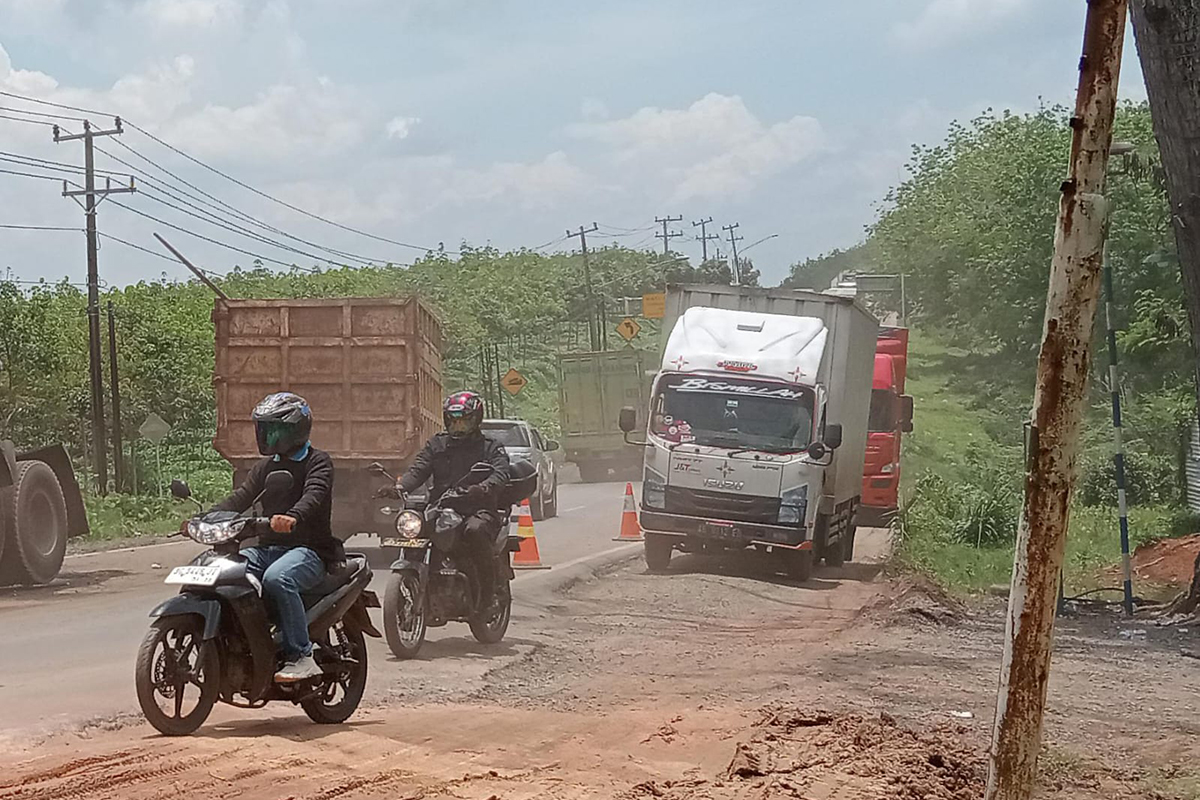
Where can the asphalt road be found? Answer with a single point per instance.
(68, 649)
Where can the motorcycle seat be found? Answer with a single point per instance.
(336, 576)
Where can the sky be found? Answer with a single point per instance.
(501, 122)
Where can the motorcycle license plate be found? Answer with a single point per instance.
(392, 541)
(194, 576)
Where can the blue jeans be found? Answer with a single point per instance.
(285, 572)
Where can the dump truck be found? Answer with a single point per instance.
(370, 368)
(40, 508)
(593, 388)
(757, 426)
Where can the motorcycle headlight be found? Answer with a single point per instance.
(793, 506)
(408, 524)
(215, 532)
(654, 489)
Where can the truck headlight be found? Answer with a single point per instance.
(654, 490)
(793, 505)
(887, 469)
(408, 524)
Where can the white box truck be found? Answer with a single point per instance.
(757, 426)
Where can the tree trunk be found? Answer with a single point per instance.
(1187, 602)
(1168, 42)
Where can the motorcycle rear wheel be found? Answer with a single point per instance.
(323, 709)
(404, 621)
(158, 674)
(491, 631)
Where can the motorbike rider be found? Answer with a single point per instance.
(294, 556)
(447, 458)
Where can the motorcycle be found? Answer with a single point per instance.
(214, 640)
(431, 582)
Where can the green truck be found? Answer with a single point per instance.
(592, 389)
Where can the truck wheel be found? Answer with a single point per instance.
(658, 552)
(36, 521)
(849, 543)
(798, 564)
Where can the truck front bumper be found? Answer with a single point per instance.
(730, 533)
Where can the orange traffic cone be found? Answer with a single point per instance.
(631, 529)
(527, 557)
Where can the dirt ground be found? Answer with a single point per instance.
(710, 683)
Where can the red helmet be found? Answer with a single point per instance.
(462, 412)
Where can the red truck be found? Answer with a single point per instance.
(891, 415)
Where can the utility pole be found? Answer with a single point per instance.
(115, 388)
(92, 198)
(666, 235)
(733, 240)
(593, 332)
(705, 237)
(1058, 404)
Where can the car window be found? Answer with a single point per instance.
(508, 434)
(538, 441)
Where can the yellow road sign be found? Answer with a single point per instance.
(628, 328)
(513, 382)
(654, 306)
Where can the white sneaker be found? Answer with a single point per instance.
(302, 669)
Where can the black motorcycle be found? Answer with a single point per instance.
(432, 583)
(214, 640)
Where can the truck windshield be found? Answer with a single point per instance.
(507, 435)
(733, 412)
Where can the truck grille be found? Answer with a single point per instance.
(722, 505)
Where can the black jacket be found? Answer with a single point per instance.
(447, 460)
(310, 501)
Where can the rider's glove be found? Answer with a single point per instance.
(476, 493)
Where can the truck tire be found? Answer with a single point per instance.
(36, 523)
(798, 564)
(849, 543)
(8, 497)
(658, 552)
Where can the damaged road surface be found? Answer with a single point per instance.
(713, 681)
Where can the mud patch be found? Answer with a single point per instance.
(802, 753)
(1163, 563)
(915, 599)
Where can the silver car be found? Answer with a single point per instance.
(526, 443)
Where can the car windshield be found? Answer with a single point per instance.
(724, 412)
(507, 435)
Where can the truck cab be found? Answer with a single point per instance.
(891, 416)
(745, 423)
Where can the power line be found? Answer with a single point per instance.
(273, 199)
(15, 227)
(27, 121)
(55, 105)
(221, 206)
(667, 235)
(32, 175)
(208, 239)
(39, 113)
(50, 164)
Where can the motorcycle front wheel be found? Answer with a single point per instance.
(404, 620)
(344, 684)
(170, 677)
(492, 630)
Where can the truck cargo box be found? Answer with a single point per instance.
(370, 368)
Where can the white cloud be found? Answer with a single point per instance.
(943, 21)
(401, 127)
(713, 147)
(534, 185)
(191, 13)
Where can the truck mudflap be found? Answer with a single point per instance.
(732, 533)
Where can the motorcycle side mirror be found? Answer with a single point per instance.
(180, 490)
(277, 483)
(817, 451)
(627, 421)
